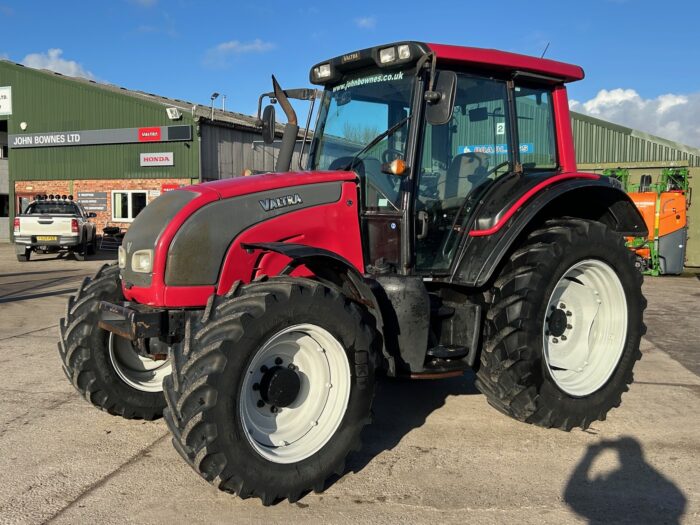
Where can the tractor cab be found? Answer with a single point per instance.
(428, 132)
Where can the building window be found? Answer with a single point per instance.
(127, 204)
(4, 205)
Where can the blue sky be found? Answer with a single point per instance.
(640, 56)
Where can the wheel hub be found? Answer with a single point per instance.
(280, 386)
(585, 331)
(557, 322)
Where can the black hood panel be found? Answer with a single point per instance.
(147, 227)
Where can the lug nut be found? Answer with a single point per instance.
(263, 369)
(256, 386)
(278, 361)
(555, 340)
(261, 403)
(563, 338)
(291, 366)
(274, 409)
(562, 306)
(569, 327)
(568, 313)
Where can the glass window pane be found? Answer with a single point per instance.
(361, 107)
(120, 205)
(4, 205)
(536, 128)
(138, 203)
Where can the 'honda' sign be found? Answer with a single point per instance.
(158, 159)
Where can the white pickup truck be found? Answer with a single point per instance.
(53, 225)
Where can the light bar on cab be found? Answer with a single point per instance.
(322, 72)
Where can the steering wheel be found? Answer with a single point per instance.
(391, 154)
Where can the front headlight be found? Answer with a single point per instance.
(142, 261)
(121, 257)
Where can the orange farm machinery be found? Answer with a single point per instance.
(664, 205)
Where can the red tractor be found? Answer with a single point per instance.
(441, 226)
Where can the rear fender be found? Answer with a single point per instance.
(599, 199)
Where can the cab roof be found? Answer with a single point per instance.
(486, 59)
(490, 58)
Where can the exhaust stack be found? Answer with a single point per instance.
(291, 129)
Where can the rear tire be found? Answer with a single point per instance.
(92, 247)
(225, 424)
(90, 357)
(25, 256)
(557, 365)
(81, 251)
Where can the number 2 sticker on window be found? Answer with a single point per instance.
(500, 128)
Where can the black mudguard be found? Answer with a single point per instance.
(334, 269)
(599, 199)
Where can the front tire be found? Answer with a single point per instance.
(564, 326)
(104, 367)
(272, 387)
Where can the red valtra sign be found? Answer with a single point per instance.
(149, 135)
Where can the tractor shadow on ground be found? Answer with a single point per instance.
(401, 406)
(634, 492)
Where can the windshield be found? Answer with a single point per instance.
(353, 113)
(52, 208)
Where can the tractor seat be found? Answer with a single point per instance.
(466, 171)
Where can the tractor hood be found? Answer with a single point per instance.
(189, 230)
(227, 188)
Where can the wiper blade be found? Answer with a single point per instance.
(376, 140)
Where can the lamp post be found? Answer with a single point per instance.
(214, 96)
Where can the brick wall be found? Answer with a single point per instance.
(153, 186)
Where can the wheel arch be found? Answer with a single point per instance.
(598, 200)
(334, 270)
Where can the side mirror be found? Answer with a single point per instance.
(268, 124)
(441, 101)
(92, 215)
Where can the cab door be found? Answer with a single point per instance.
(458, 161)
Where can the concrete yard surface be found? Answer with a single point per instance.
(436, 453)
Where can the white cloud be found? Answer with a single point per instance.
(218, 56)
(53, 61)
(366, 22)
(671, 116)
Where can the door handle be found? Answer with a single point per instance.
(423, 220)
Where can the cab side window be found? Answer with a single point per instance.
(536, 133)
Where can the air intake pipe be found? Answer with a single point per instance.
(291, 129)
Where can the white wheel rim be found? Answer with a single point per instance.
(136, 371)
(297, 431)
(585, 355)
